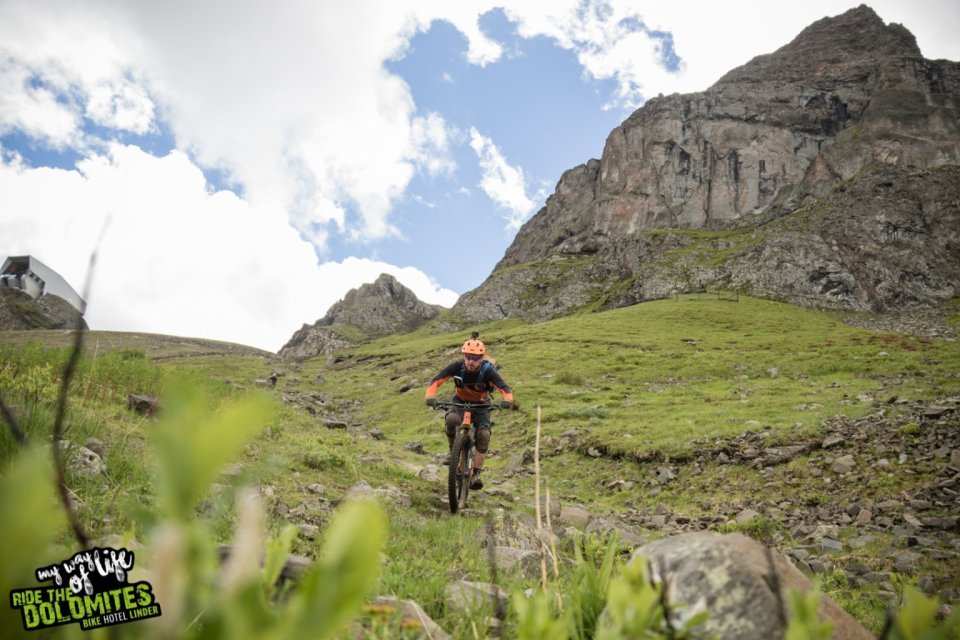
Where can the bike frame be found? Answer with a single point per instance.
(460, 472)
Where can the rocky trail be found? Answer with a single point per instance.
(829, 504)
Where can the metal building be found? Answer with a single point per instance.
(31, 276)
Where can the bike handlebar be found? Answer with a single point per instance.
(446, 404)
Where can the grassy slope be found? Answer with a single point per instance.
(640, 383)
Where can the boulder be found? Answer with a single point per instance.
(362, 490)
(626, 536)
(745, 586)
(510, 530)
(143, 404)
(523, 560)
(82, 461)
(575, 515)
(464, 597)
(412, 616)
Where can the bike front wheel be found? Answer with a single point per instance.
(458, 473)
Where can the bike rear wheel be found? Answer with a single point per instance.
(459, 466)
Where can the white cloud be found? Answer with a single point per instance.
(175, 258)
(710, 37)
(430, 145)
(126, 107)
(59, 63)
(607, 40)
(634, 61)
(481, 50)
(504, 184)
(419, 199)
(293, 103)
(33, 109)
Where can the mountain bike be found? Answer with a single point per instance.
(460, 472)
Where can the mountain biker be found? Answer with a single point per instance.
(478, 378)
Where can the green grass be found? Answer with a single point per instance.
(706, 248)
(642, 383)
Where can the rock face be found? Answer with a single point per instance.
(373, 310)
(745, 587)
(314, 340)
(18, 311)
(684, 192)
(885, 239)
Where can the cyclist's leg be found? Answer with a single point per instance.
(451, 423)
(480, 451)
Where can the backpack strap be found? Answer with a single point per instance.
(483, 370)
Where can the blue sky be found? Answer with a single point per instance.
(240, 166)
(535, 106)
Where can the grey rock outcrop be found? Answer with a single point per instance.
(373, 310)
(18, 311)
(314, 340)
(413, 619)
(745, 587)
(836, 136)
(381, 308)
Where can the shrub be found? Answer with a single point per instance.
(569, 378)
(910, 429)
(323, 458)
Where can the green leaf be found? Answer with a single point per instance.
(31, 518)
(537, 617)
(588, 595)
(276, 557)
(336, 587)
(916, 619)
(194, 442)
(633, 604)
(805, 622)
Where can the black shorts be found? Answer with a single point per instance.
(480, 418)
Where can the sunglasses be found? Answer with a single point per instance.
(471, 357)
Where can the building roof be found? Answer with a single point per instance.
(53, 282)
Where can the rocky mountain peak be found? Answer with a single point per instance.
(380, 308)
(848, 106)
(373, 310)
(834, 48)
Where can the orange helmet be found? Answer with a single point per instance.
(473, 347)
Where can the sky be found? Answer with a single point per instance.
(237, 167)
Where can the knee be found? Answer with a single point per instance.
(452, 421)
(483, 440)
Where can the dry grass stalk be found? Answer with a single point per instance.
(536, 485)
(553, 548)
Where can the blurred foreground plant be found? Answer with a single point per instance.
(917, 620)
(197, 597)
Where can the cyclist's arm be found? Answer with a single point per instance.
(497, 381)
(445, 374)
